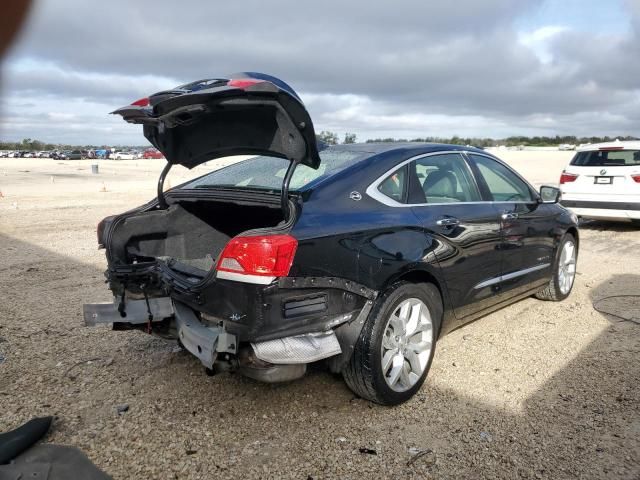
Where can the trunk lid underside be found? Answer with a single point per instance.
(254, 114)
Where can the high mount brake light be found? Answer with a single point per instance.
(143, 102)
(606, 149)
(567, 178)
(243, 82)
(262, 255)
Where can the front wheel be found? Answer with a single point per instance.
(564, 271)
(393, 355)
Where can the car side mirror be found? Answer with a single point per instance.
(549, 194)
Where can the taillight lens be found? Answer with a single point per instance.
(243, 82)
(636, 178)
(265, 255)
(143, 102)
(567, 177)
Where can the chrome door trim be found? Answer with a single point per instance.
(509, 276)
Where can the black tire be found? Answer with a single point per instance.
(635, 222)
(363, 374)
(552, 291)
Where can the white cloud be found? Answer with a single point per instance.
(539, 40)
(416, 69)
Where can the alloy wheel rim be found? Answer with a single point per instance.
(406, 344)
(567, 267)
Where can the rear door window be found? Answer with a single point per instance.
(443, 178)
(503, 184)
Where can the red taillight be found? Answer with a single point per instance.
(243, 82)
(567, 177)
(264, 255)
(636, 178)
(143, 102)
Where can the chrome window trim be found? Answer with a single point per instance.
(373, 192)
(509, 276)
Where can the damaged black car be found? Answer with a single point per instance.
(360, 256)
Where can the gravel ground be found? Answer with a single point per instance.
(536, 390)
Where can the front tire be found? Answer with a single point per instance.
(564, 271)
(393, 355)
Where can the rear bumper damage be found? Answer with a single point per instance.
(309, 329)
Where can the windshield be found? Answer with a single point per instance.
(268, 172)
(607, 158)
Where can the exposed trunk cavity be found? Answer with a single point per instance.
(188, 236)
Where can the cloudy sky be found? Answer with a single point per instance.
(404, 69)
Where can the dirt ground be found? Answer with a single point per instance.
(537, 390)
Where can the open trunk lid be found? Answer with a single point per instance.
(243, 114)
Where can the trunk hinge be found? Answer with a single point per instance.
(284, 194)
(161, 201)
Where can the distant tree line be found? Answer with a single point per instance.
(332, 138)
(510, 141)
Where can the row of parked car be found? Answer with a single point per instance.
(84, 154)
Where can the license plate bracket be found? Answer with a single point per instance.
(603, 180)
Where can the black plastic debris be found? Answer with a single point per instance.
(14, 442)
(368, 451)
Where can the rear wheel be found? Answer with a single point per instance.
(564, 271)
(393, 355)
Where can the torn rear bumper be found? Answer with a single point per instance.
(136, 311)
(281, 359)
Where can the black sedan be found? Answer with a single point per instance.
(358, 255)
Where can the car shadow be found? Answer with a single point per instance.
(608, 225)
(581, 422)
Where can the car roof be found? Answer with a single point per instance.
(382, 156)
(417, 147)
(618, 145)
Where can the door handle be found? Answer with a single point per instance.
(448, 222)
(509, 216)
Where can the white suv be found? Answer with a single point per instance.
(603, 181)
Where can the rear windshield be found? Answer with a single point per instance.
(607, 158)
(267, 173)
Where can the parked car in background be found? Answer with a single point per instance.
(75, 155)
(152, 153)
(359, 255)
(603, 181)
(566, 147)
(28, 154)
(123, 155)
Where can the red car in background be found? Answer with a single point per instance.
(152, 153)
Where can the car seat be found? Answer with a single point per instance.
(441, 184)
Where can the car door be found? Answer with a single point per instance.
(526, 226)
(445, 196)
